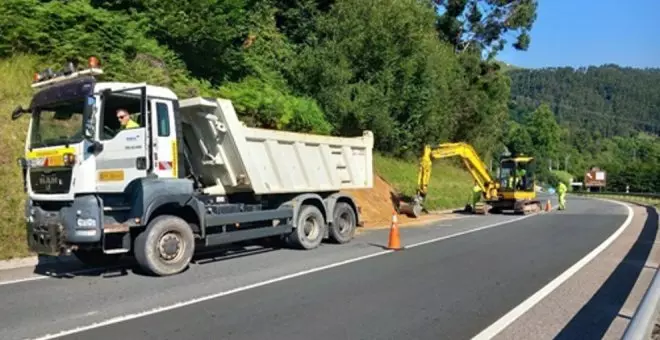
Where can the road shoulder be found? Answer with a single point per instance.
(599, 300)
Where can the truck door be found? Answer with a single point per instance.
(164, 138)
(125, 154)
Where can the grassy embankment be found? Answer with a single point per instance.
(449, 185)
(14, 90)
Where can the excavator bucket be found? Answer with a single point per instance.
(481, 208)
(411, 209)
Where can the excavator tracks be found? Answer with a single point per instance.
(529, 207)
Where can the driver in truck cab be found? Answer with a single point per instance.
(125, 120)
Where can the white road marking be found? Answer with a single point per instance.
(58, 275)
(75, 272)
(526, 305)
(181, 304)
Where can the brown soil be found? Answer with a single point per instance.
(377, 205)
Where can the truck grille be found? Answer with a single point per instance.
(50, 181)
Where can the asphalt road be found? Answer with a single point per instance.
(446, 288)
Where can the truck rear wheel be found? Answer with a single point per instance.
(344, 223)
(310, 228)
(166, 246)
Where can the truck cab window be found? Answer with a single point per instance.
(120, 112)
(163, 120)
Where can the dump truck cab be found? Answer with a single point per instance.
(80, 162)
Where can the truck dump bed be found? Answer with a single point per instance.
(231, 157)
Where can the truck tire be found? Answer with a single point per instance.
(96, 257)
(166, 246)
(310, 228)
(344, 223)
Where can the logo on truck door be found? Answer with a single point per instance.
(111, 175)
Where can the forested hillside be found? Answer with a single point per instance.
(608, 116)
(307, 65)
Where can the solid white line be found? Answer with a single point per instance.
(73, 272)
(57, 275)
(526, 305)
(26, 279)
(262, 283)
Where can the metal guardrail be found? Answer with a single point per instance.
(616, 193)
(644, 320)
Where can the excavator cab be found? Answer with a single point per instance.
(517, 180)
(517, 174)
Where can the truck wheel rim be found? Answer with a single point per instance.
(344, 222)
(170, 246)
(310, 228)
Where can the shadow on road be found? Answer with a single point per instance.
(596, 316)
(73, 268)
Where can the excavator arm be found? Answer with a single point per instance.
(472, 162)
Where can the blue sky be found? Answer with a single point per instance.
(591, 32)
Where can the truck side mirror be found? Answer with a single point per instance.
(18, 112)
(89, 130)
(88, 116)
(22, 162)
(95, 148)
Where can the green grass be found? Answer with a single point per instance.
(14, 90)
(450, 185)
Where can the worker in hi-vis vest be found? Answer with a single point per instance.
(561, 192)
(475, 195)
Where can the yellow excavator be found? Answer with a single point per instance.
(515, 189)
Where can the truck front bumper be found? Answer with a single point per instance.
(56, 231)
(46, 239)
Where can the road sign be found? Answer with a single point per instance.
(595, 177)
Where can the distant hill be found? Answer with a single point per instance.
(608, 99)
(609, 117)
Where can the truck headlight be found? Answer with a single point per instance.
(87, 222)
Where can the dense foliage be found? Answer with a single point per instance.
(413, 71)
(325, 66)
(606, 116)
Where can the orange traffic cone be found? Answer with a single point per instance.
(548, 207)
(394, 242)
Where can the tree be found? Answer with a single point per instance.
(544, 132)
(517, 139)
(483, 24)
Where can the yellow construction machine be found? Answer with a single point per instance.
(514, 190)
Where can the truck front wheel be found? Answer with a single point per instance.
(166, 246)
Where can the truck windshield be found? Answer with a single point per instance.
(57, 123)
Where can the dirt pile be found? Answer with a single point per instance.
(377, 205)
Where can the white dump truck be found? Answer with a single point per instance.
(182, 174)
